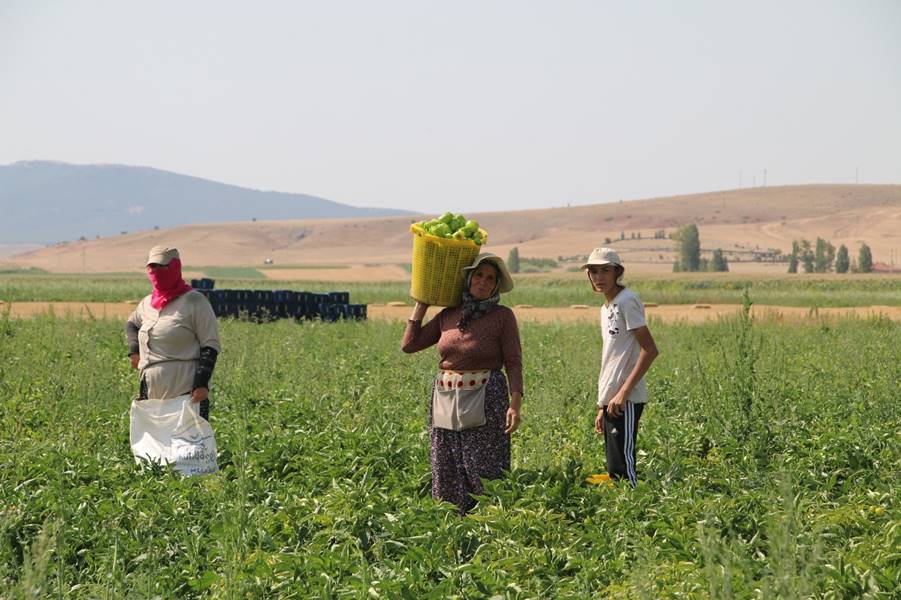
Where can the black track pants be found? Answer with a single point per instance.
(619, 442)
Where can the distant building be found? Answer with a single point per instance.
(881, 267)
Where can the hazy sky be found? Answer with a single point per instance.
(486, 105)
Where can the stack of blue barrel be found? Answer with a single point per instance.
(268, 305)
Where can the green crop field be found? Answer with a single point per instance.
(537, 290)
(770, 463)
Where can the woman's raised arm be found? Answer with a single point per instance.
(418, 337)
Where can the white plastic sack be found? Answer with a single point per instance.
(173, 432)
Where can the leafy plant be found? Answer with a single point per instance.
(325, 485)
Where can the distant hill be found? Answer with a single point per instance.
(746, 224)
(48, 202)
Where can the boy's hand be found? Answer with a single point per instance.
(617, 405)
(599, 421)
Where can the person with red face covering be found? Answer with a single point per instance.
(173, 335)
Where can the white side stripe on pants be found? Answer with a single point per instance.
(629, 445)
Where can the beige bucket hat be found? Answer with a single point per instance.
(161, 255)
(603, 256)
(504, 281)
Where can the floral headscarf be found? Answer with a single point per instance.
(474, 309)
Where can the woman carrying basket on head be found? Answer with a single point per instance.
(471, 417)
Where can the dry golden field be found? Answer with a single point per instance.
(741, 222)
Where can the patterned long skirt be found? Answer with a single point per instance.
(461, 459)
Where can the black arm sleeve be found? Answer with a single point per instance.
(131, 337)
(205, 367)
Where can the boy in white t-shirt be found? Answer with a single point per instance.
(628, 352)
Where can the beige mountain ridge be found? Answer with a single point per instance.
(746, 224)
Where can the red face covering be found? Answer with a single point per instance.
(167, 284)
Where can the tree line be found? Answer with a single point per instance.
(688, 253)
(822, 257)
(819, 257)
(518, 264)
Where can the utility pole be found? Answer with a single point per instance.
(764, 178)
(740, 173)
(856, 173)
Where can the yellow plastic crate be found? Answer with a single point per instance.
(438, 267)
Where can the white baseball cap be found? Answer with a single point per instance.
(603, 256)
(161, 255)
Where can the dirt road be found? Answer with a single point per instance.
(689, 313)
